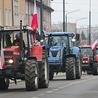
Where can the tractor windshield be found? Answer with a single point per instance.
(96, 52)
(9, 37)
(86, 51)
(57, 41)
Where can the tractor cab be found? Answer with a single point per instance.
(25, 60)
(8, 36)
(60, 48)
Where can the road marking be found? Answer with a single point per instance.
(61, 87)
(40, 94)
(91, 91)
(49, 91)
(33, 97)
(55, 89)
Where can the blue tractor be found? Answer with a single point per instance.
(63, 55)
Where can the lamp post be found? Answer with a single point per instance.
(70, 13)
(63, 15)
(41, 17)
(79, 20)
(89, 36)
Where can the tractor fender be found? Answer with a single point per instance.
(71, 55)
(75, 51)
(31, 57)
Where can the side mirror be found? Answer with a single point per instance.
(77, 37)
(38, 37)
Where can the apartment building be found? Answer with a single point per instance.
(12, 11)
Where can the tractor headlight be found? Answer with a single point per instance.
(10, 61)
(58, 54)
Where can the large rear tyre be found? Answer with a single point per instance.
(70, 68)
(78, 69)
(44, 80)
(4, 83)
(95, 69)
(31, 75)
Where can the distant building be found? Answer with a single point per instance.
(71, 27)
(12, 11)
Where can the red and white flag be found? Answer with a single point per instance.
(94, 45)
(34, 22)
(2, 60)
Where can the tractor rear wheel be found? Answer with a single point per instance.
(70, 68)
(31, 75)
(95, 69)
(44, 80)
(78, 69)
(4, 83)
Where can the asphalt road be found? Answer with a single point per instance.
(86, 87)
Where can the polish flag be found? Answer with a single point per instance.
(94, 45)
(34, 23)
(2, 60)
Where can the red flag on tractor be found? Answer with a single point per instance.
(94, 45)
(34, 23)
(2, 60)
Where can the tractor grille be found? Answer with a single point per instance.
(85, 59)
(54, 53)
(8, 54)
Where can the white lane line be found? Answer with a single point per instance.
(61, 87)
(49, 91)
(33, 97)
(40, 94)
(55, 89)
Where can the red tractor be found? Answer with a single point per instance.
(29, 63)
(95, 57)
(86, 58)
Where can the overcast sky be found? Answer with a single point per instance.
(72, 5)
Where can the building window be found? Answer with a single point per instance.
(19, 17)
(10, 17)
(26, 7)
(22, 18)
(7, 20)
(0, 17)
(16, 0)
(16, 10)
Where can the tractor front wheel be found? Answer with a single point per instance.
(4, 83)
(70, 68)
(44, 80)
(95, 69)
(51, 72)
(78, 69)
(31, 75)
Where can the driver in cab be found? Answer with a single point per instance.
(16, 42)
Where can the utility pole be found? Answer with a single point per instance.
(12, 13)
(13, 17)
(89, 40)
(28, 12)
(63, 15)
(41, 18)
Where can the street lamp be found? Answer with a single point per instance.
(63, 15)
(89, 40)
(79, 20)
(41, 17)
(70, 13)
